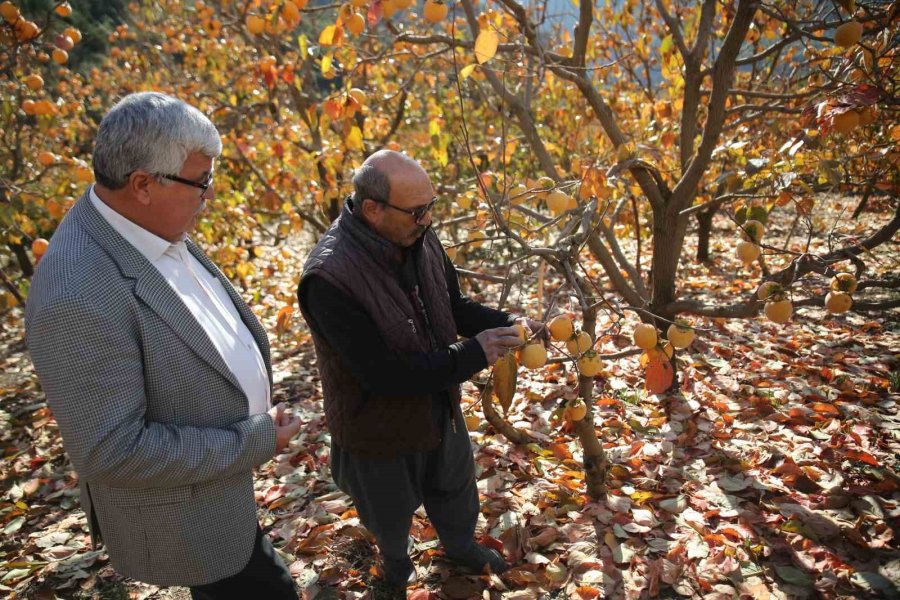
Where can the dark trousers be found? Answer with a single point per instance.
(386, 492)
(265, 576)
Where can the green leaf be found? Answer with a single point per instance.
(793, 576)
(666, 45)
(872, 581)
(795, 526)
(13, 526)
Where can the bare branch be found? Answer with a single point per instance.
(763, 108)
(582, 30)
(636, 280)
(881, 236)
(674, 28)
(718, 201)
(723, 77)
(483, 276)
(600, 251)
(610, 126)
(858, 306)
(398, 119)
(799, 267)
(523, 115)
(769, 95)
(704, 30)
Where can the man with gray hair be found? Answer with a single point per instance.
(156, 370)
(383, 302)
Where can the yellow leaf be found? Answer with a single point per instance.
(326, 64)
(641, 496)
(326, 38)
(354, 138)
(486, 45)
(505, 371)
(466, 71)
(243, 269)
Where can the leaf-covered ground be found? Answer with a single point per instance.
(773, 473)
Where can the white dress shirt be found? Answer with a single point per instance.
(206, 298)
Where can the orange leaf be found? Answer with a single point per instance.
(283, 320)
(863, 456)
(824, 407)
(333, 108)
(587, 592)
(560, 451)
(798, 413)
(491, 542)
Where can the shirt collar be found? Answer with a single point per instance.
(150, 245)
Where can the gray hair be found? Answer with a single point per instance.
(370, 182)
(152, 132)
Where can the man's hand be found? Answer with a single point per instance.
(286, 426)
(496, 342)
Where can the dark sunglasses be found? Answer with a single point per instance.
(197, 184)
(418, 213)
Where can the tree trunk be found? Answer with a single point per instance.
(335, 205)
(704, 229)
(24, 261)
(668, 237)
(596, 465)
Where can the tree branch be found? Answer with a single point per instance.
(582, 30)
(523, 116)
(598, 248)
(723, 77)
(674, 26)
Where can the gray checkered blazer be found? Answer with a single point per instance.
(155, 423)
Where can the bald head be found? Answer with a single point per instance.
(390, 162)
(388, 186)
(383, 171)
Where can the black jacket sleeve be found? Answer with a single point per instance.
(353, 334)
(471, 317)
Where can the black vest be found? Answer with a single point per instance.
(361, 263)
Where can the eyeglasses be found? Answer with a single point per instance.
(418, 212)
(204, 185)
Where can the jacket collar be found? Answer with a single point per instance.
(130, 261)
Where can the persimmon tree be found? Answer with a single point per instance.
(667, 110)
(42, 122)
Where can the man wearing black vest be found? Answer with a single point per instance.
(383, 302)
